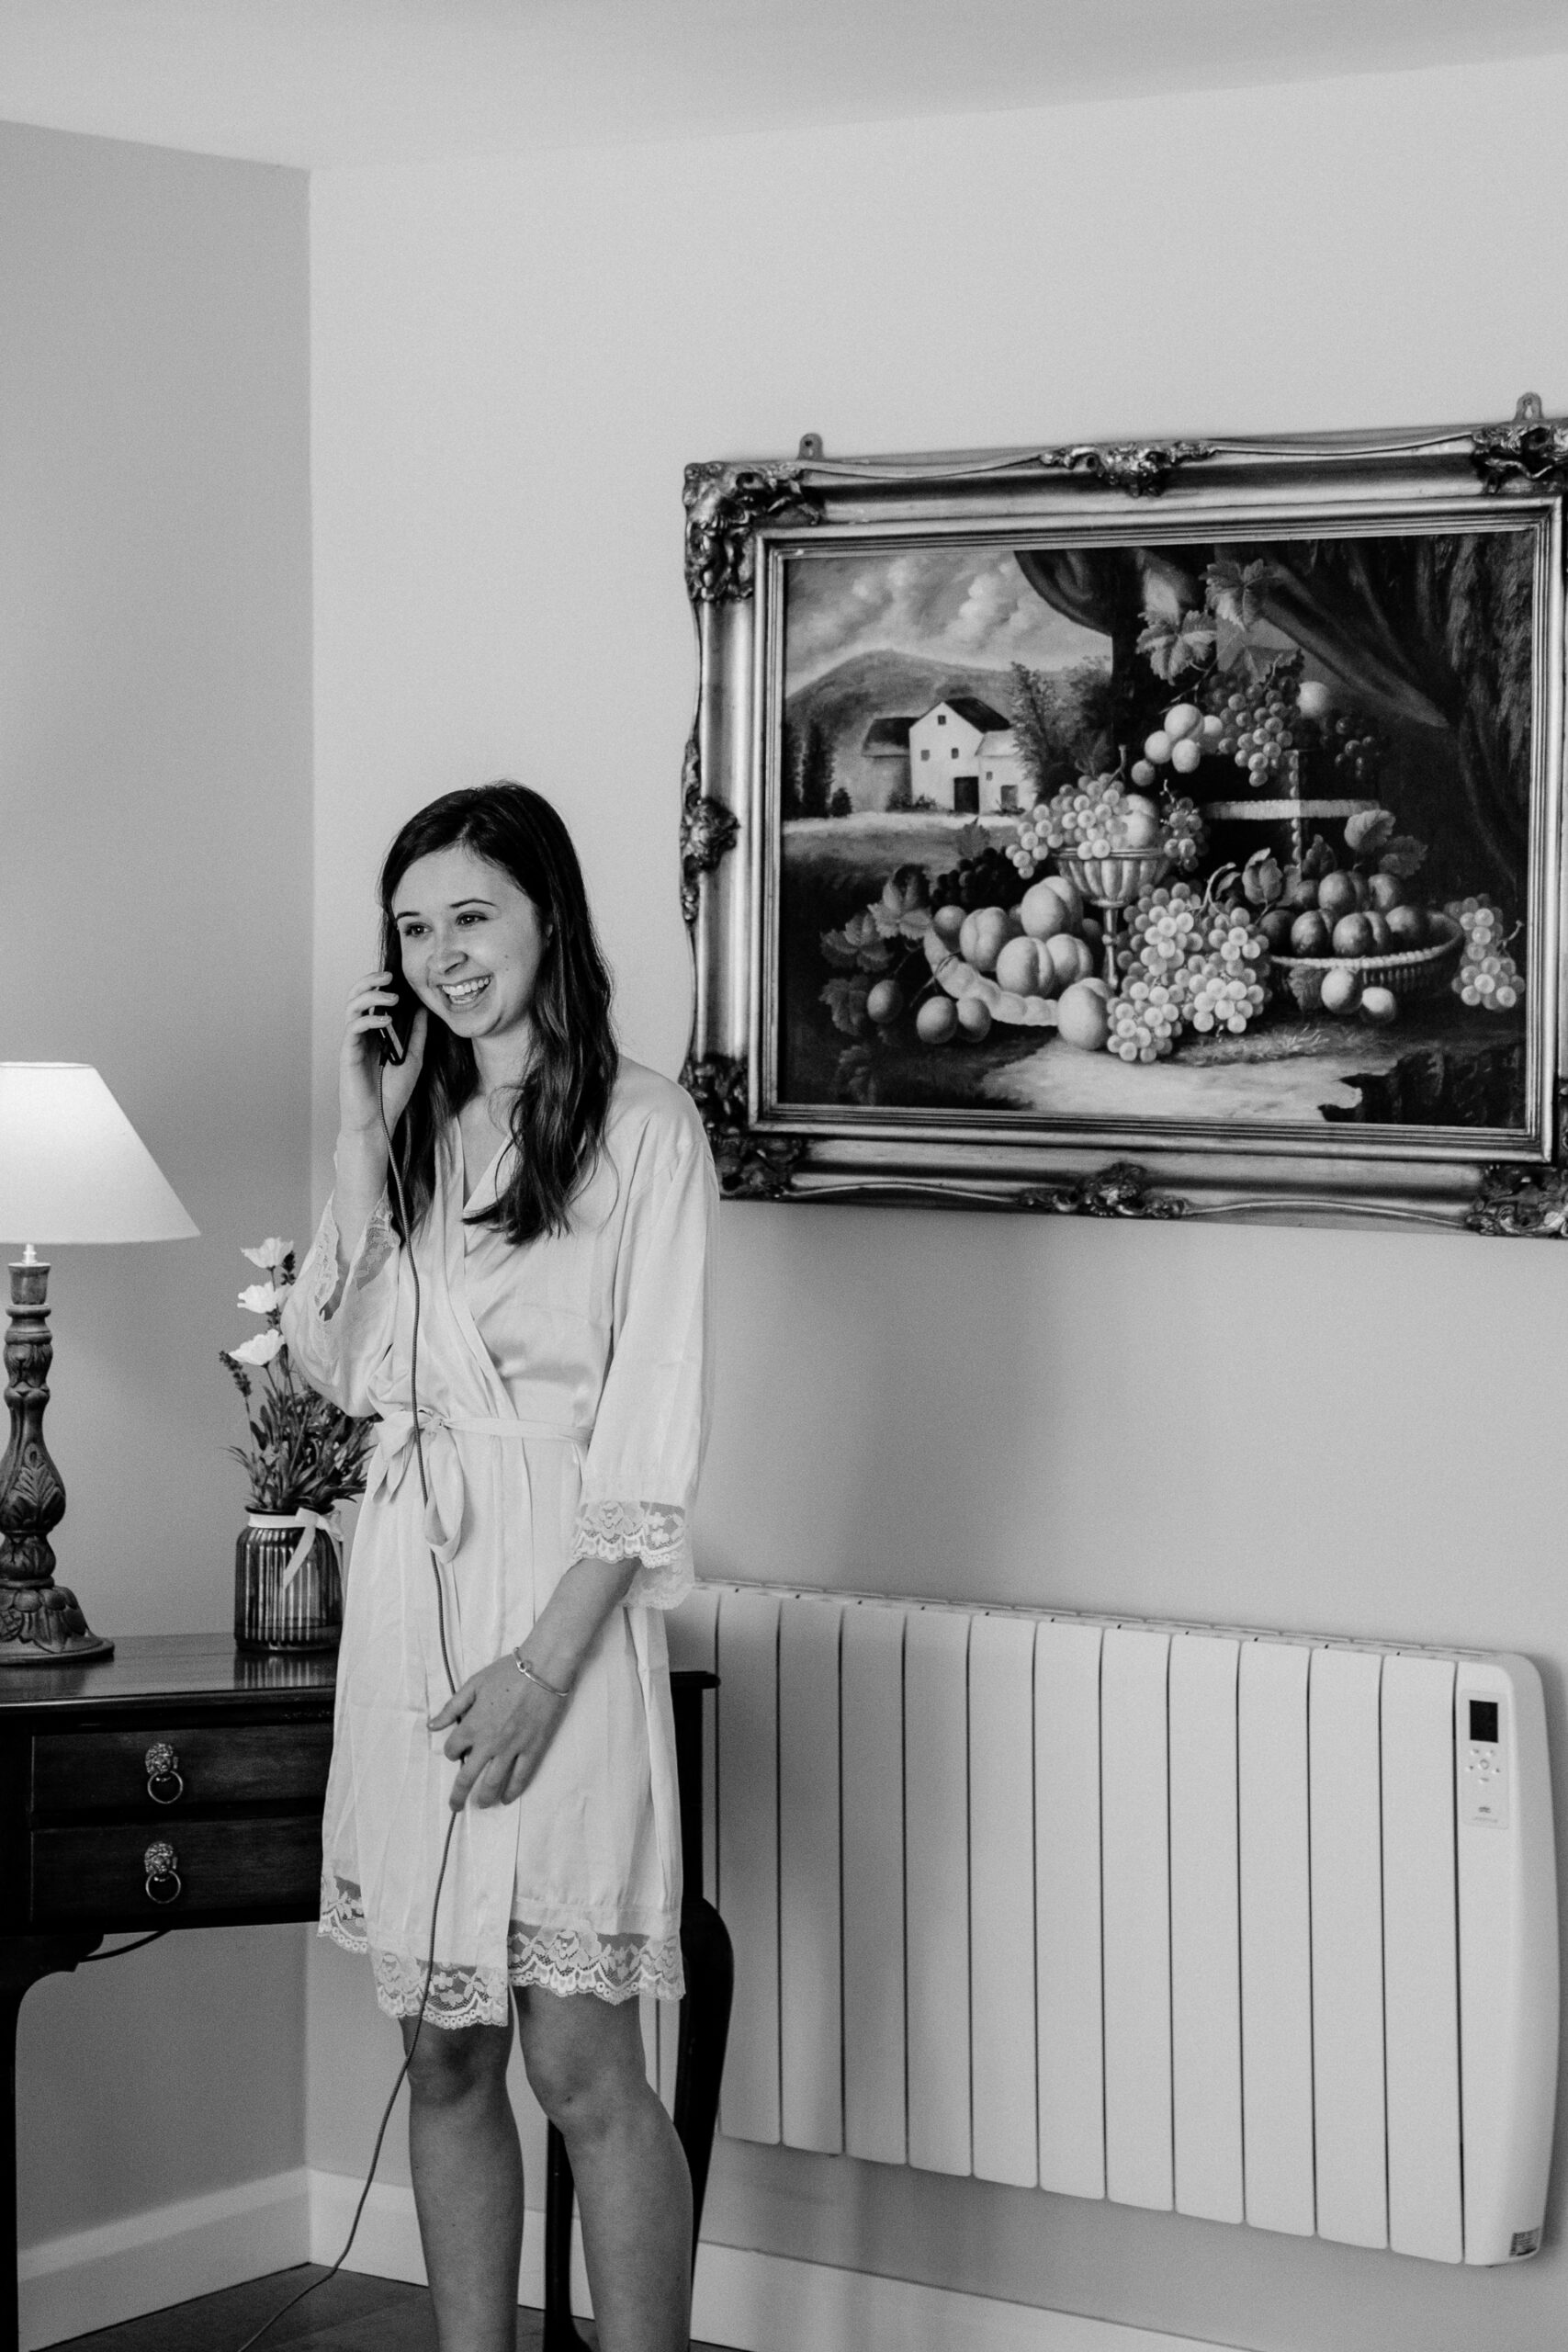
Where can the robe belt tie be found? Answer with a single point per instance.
(442, 1463)
(308, 1523)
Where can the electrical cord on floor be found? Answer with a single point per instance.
(294, 2300)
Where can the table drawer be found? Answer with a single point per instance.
(267, 1865)
(108, 1772)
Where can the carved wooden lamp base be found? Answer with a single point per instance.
(41, 1623)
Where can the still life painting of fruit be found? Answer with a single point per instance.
(1222, 833)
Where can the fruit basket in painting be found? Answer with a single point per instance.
(1414, 972)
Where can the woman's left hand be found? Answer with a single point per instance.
(501, 1726)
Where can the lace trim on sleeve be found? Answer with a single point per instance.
(377, 1245)
(320, 1277)
(654, 1532)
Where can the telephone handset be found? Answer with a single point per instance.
(394, 1040)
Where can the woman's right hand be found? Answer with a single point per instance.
(362, 1090)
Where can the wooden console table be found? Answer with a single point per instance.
(122, 1786)
(88, 1798)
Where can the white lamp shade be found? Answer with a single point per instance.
(71, 1166)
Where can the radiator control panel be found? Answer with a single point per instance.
(1484, 1765)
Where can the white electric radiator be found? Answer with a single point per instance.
(1254, 1927)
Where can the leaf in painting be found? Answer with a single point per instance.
(1171, 647)
(1403, 857)
(1369, 830)
(1262, 879)
(1234, 593)
(845, 999)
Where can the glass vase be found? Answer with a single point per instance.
(287, 1589)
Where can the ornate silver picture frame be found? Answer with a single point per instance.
(1171, 829)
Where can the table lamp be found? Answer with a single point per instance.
(72, 1168)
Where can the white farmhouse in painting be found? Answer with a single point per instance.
(944, 747)
(886, 748)
(1005, 783)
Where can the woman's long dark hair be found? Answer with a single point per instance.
(558, 1117)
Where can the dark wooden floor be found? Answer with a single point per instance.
(350, 2313)
(372, 2314)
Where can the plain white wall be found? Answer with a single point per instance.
(154, 920)
(1357, 1431)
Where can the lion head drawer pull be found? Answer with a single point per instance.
(161, 1864)
(166, 1784)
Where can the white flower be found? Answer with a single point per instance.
(261, 1298)
(268, 1253)
(261, 1350)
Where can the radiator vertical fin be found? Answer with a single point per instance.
(936, 1863)
(1425, 2212)
(1344, 1752)
(875, 2116)
(1001, 1899)
(1070, 2013)
(749, 1856)
(1205, 1929)
(1276, 1937)
(1137, 1840)
(810, 1930)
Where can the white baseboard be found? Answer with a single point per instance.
(760, 2302)
(753, 2303)
(92, 2279)
(386, 2245)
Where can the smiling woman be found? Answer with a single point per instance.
(485, 915)
(546, 1252)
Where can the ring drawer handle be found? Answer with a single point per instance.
(166, 1784)
(161, 1864)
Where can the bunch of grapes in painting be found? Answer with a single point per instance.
(1146, 1021)
(1081, 816)
(1186, 962)
(1163, 928)
(1258, 720)
(1358, 751)
(984, 876)
(1230, 978)
(1185, 837)
(1098, 816)
(1487, 976)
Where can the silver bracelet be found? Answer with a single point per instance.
(532, 1675)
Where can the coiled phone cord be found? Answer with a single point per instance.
(452, 1822)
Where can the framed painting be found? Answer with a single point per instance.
(1166, 829)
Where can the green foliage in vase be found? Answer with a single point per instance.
(304, 1454)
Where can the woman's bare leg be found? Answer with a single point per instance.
(585, 2064)
(467, 2182)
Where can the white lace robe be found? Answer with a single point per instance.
(563, 1397)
